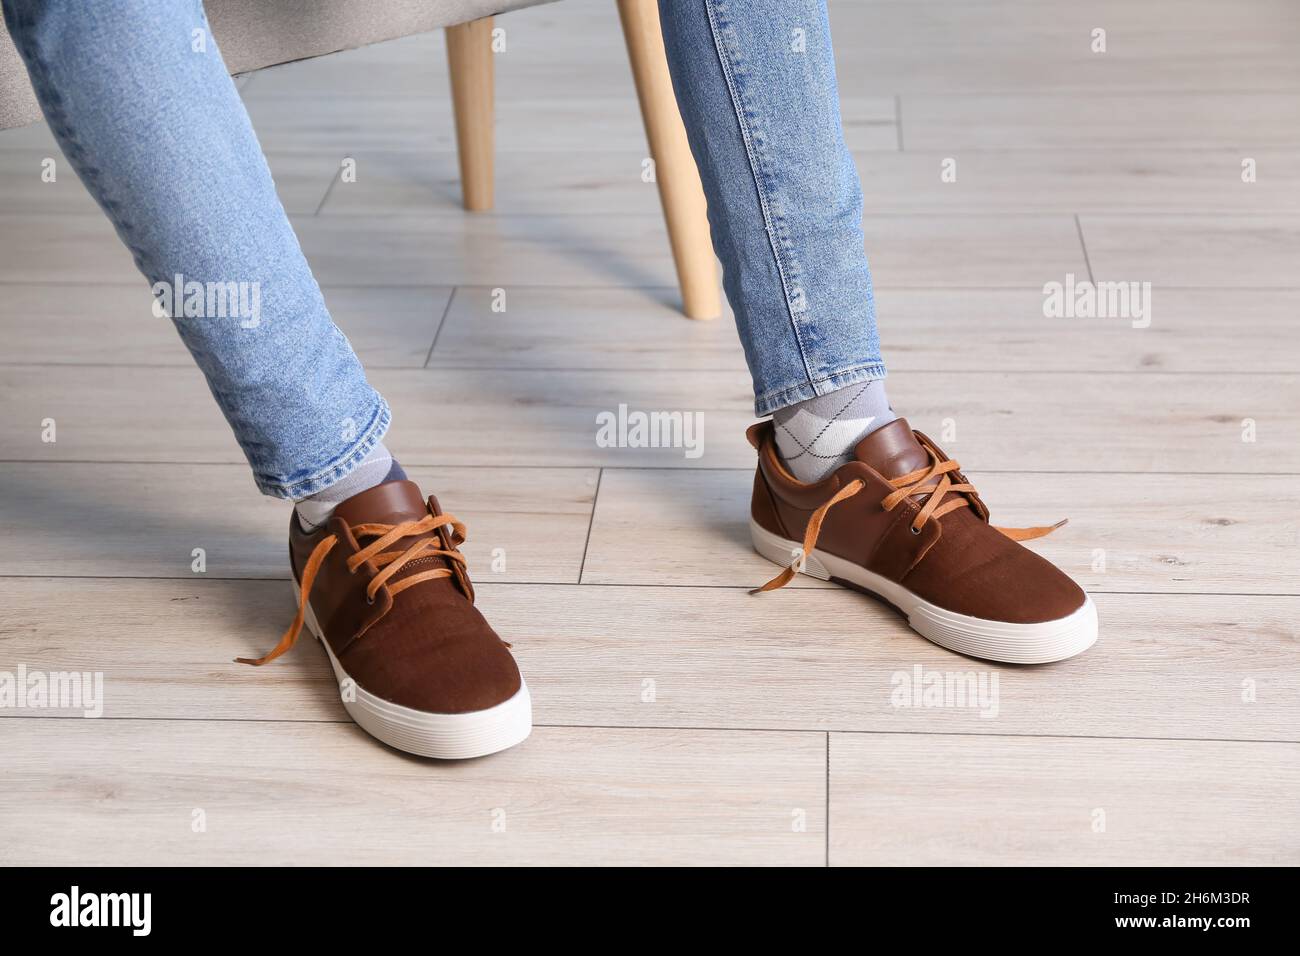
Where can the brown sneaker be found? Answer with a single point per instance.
(383, 587)
(903, 524)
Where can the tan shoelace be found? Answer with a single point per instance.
(933, 480)
(389, 563)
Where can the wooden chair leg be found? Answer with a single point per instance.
(469, 55)
(685, 210)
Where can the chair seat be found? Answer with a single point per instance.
(254, 34)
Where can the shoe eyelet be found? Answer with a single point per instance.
(370, 600)
(915, 530)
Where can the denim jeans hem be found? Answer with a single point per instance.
(771, 400)
(338, 468)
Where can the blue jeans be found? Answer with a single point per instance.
(755, 82)
(146, 113)
(141, 103)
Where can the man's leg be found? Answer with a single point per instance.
(843, 489)
(756, 85)
(141, 103)
(139, 98)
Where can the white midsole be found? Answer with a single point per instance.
(427, 734)
(1038, 643)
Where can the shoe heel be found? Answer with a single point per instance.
(783, 552)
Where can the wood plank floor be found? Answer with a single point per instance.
(680, 719)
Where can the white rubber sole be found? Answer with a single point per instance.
(989, 640)
(444, 736)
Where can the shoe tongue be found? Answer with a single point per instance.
(390, 503)
(892, 450)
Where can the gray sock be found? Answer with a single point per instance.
(377, 468)
(816, 436)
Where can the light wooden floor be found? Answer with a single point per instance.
(679, 719)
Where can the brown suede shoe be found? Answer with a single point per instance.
(903, 524)
(383, 587)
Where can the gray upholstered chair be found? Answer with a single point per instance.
(259, 33)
